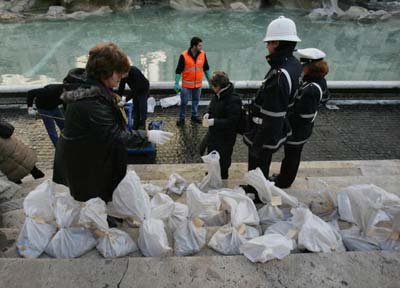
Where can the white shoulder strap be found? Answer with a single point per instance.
(288, 79)
(320, 90)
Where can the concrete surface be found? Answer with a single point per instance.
(351, 269)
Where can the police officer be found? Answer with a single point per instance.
(302, 114)
(269, 126)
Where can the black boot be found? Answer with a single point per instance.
(250, 190)
(180, 123)
(36, 173)
(195, 120)
(113, 222)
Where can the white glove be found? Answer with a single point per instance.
(122, 102)
(158, 136)
(205, 120)
(31, 112)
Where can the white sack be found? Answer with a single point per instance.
(179, 215)
(115, 243)
(152, 189)
(213, 178)
(177, 184)
(189, 239)
(151, 104)
(162, 206)
(270, 214)
(153, 241)
(170, 101)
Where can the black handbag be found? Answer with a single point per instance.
(6, 129)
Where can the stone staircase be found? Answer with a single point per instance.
(209, 268)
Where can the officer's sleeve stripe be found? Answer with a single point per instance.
(273, 114)
(288, 79)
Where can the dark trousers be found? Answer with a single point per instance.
(139, 111)
(290, 165)
(225, 153)
(262, 160)
(51, 118)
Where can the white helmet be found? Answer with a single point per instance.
(310, 54)
(282, 29)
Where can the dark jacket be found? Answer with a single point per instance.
(304, 111)
(181, 62)
(224, 108)
(91, 153)
(47, 98)
(137, 82)
(270, 127)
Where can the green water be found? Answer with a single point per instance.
(43, 51)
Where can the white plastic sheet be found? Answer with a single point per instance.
(267, 247)
(267, 189)
(213, 178)
(189, 238)
(69, 241)
(241, 208)
(177, 184)
(315, 234)
(170, 101)
(36, 233)
(204, 206)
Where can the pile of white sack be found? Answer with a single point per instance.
(61, 227)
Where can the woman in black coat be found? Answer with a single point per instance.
(91, 156)
(222, 120)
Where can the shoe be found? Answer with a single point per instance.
(113, 222)
(196, 120)
(251, 193)
(273, 178)
(180, 122)
(36, 173)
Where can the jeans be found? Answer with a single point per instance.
(194, 93)
(50, 122)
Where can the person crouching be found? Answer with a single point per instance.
(222, 119)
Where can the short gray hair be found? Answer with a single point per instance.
(219, 79)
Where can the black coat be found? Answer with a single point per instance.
(303, 113)
(47, 98)
(225, 109)
(269, 124)
(137, 82)
(91, 153)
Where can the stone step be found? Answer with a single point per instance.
(11, 205)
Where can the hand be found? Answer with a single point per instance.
(31, 111)
(158, 136)
(177, 88)
(122, 102)
(205, 120)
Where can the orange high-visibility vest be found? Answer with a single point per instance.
(192, 75)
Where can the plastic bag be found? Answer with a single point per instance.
(162, 206)
(284, 228)
(151, 104)
(115, 243)
(177, 184)
(204, 206)
(69, 242)
(153, 241)
(152, 189)
(213, 178)
(112, 242)
(267, 247)
(267, 189)
(36, 233)
(227, 240)
(189, 238)
(179, 215)
(241, 207)
(270, 214)
(315, 234)
(353, 241)
(170, 101)
(130, 201)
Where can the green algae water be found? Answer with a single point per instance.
(43, 51)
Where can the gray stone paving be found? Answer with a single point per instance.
(351, 133)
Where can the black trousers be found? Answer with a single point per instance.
(290, 165)
(139, 111)
(225, 154)
(262, 160)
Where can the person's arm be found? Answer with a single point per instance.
(274, 109)
(30, 98)
(206, 67)
(105, 128)
(307, 106)
(141, 83)
(180, 66)
(121, 87)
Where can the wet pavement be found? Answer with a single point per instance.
(351, 133)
